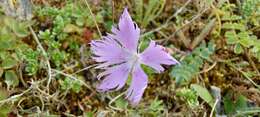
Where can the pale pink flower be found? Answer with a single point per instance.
(118, 55)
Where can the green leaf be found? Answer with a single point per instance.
(145, 43)
(66, 83)
(156, 105)
(21, 31)
(231, 37)
(229, 106)
(45, 34)
(76, 86)
(6, 108)
(7, 44)
(249, 7)
(139, 10)
(108, 25)
(8, 63)
(148, 70)
(205, 54)
(241, 103)
(121, 103)
(234, 26)
(70, 84)
(189, 96)
(232, 107)
(228, 17)
(238, 49)
(19, 28)
(191, 64)
(245, 42)
(203, 93)
(80, 21)
(11, 78)
(89, 114)
(243, 35)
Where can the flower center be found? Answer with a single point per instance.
(135, 57)
(133, 60)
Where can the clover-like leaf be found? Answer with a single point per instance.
(9, 63)
(238, 49)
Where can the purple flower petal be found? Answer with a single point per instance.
(108, 51)
(116, 77)
(118, 56)
(138, 85)
(127, 32)
(154, 56)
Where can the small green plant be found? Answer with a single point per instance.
(67, 21)
(191, 64)
(70, 84)
(11, 33)
(74, 13)
(30, 58)
(243, 39)
(238, 31)
(231, 107)
(154, 109)
(250, 8)
(189, 96)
